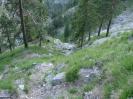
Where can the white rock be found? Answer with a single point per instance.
(22, 87)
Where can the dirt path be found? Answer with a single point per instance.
(35, 90)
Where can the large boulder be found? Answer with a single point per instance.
(86, 75)
(66, 48)
(58, 79)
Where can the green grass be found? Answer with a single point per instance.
(17, 59)
(7, 85)
(73, 90)
(127, 92)
(116, 55)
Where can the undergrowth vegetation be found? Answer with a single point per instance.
(116, 55)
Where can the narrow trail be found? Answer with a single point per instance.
(35, 90)
(39, 90)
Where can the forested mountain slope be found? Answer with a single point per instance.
(97, 68)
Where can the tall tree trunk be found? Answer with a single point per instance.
(100, 27)
(0, 50)
(40, 39)
(89, 36)
(82, 40)
(22, 24)
(13, 43)
(9, 41)
(108, 28)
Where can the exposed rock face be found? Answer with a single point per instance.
(58, 79)
(100, 41)
(20, 84)
(59, 67)
(86, 75)
(66, 48)
(96, 93)
(4, 94)
(122, 23)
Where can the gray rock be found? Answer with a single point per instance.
(1, 76)
(20, 84)
(87, 75)
(58, 79)
(95, 93)
(130, 38)
(63, 46)
(4, 94)
(33, 55)
(59, 67)
(100, 41)
(130, 98)
(66, 48)
(90, 95)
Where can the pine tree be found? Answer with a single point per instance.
(7, 26)
(85, 19)
(22, 24)
(66, 32)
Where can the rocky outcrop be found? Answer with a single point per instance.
(86, 75)
(66, 48)
(122, 23)
(4, 94)
(58, 79)
(96, 93)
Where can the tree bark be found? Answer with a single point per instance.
(9, 41)
(82, 40)
(40, 39)
(22, 24)
(100, 27)
(0, 50)
(89, 36)
(108, 28)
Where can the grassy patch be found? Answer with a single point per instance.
(117, 57)
(127, 92)
(73, 90)
(19, 64)
(6, 85)
(88, 88)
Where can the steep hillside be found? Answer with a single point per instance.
(62, 71)
(101, 69)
